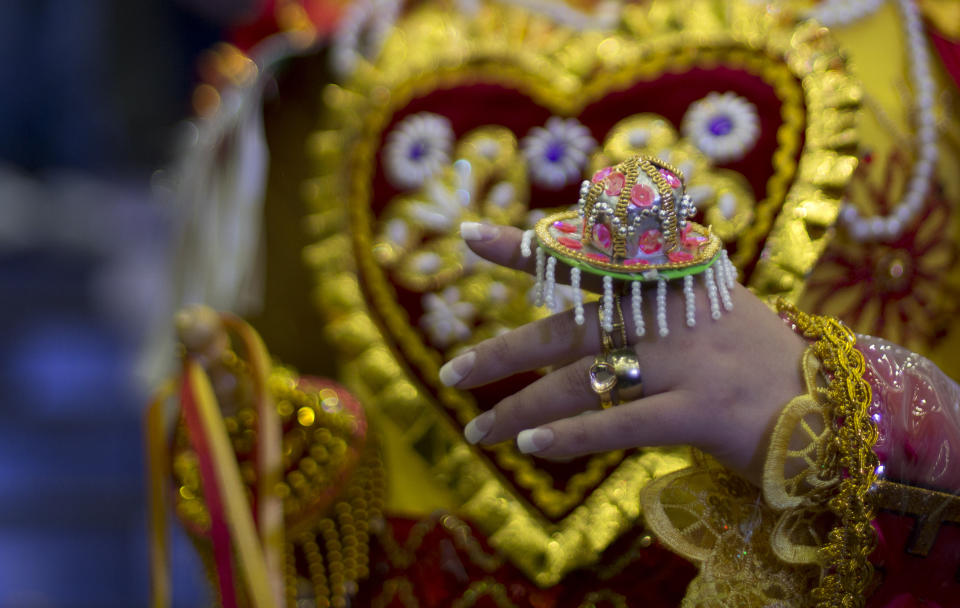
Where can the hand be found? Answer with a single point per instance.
(718, 386)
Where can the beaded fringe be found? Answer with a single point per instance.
(719, 280)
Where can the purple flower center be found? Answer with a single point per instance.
(417, 150)
(555, 150)
(720, 125)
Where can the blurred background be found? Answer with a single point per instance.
(94, 98)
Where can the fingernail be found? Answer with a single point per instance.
(474, 231)
(479, 427)
(534, 440)
(456, 369)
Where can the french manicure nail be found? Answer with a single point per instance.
(479, 427)
(534, 440)
(475, 231)
(456, 369)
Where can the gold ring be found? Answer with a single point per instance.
(615, 373)
(626, 369)
(603, 381)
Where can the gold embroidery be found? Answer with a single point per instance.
(849, 457)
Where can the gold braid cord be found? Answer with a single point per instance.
(810, 527)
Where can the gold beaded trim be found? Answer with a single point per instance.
(849, 457)
(670, 225)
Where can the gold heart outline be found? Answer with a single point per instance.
(807, 206)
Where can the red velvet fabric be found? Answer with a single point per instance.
(949, 51)
(911, 581)
(441, 573)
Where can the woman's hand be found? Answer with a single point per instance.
(718, 386)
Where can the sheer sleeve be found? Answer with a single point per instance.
(917, 411)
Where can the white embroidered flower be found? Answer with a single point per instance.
(417, 148)
(724, 126)
(557, 152)
(442, 207)
(446, 319)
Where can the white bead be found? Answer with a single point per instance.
(541, 263)
(525, 243)
(577, 295)
(608, 304)
(662, 308)
(731, 271)
(723, 286)
(551, 282)
(712, 293)
(689, 300)
(637, 296)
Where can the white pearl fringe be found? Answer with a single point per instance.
(551, 282)
(577, 295)
(712, 293)
(608, 304)
(689, 301)
(662, 308)
(541, 262)
(525, 243)
(637, 304)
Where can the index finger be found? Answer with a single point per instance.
(501, 245)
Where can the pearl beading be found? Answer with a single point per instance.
(731, 271)
(712, 294)
(577, 295)
(608, 304)
(719, 279)
(891, 227)
(525, 242)
(637, 305)
(541, 267)
(551, 282)
(662, 308)
(723, 284)
(689, 301)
